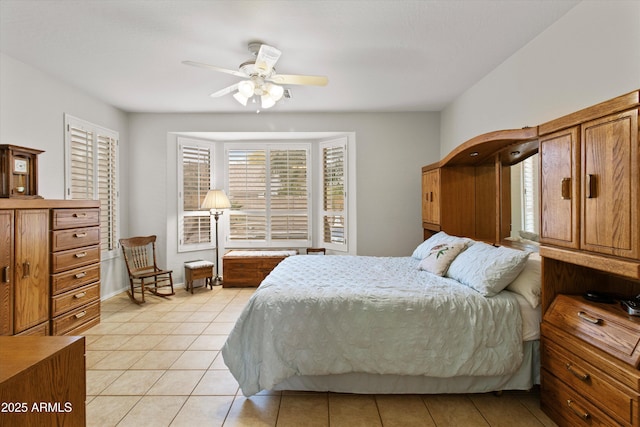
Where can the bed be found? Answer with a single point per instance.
(396, 325)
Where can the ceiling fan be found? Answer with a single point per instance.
(261, 79)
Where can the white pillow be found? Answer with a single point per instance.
(487, 269)
(528, 283)
(440, 257)
(441, 237)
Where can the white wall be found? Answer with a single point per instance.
(391, 149)
(32, 108)
(590, 55)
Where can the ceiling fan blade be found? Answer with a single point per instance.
(225, 91)
(267, 58)
(294, 79)
(214, 68)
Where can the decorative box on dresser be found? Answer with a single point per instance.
(49, 266)
(590, 241)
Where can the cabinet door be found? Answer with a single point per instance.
(610, 185)
(6, 272)
(560, 188)
(31, 275)
(431, 196)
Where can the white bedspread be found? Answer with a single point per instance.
(340, 314)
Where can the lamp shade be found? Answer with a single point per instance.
(241, 98)
(216, 200)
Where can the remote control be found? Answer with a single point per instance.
(632, 306)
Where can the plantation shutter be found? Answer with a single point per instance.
(334, 195)
(91, 173)
(247, 175)
(269, 190)
(82, 165)
(195, 179)
(530, 194)
(107, 191)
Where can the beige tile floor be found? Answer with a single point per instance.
(159, 364)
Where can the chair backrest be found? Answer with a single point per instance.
(139, 254)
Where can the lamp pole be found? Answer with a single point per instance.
(217, 280)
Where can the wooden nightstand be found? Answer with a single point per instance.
(590, 356)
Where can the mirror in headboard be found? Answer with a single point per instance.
(525, 201)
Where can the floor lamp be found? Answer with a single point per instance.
(215, 201)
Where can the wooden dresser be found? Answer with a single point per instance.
(75, 270)
(590, 359)
(42, 381)
(590, 241)
(49, 266)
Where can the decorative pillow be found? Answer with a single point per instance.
(487, 269)
(528, 282)
(441, 237)
(440, 257)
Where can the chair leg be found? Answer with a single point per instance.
(132, 293)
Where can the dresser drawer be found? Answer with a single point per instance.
(569, 407)
(62, 282)
(605, 326)
(72, 218)
(74, 319)
(74, 258)
(74, 238)
(74, 299)
(590, 382)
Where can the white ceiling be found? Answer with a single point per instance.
(379, 55)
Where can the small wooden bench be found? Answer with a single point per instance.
(248, 268)
(199, 269)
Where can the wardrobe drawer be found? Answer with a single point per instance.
(74, 319)
(72, 218)
(75, 298)
(605, 326)
(68, 280)
(570, 408)
(74, 258)
(74, 238)
(590, 382)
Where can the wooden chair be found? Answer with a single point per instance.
(144, 273)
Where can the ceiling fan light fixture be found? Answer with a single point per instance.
(241, 98)
(246, 88)
(275, 92)
(267, 101)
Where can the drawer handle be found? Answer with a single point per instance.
(585, 316)
(582, 414)
(81, 314)
(592, 188)
(81, 255)
(582, 377)
(80, 215)
(26, 269)
(566, 189)
(5, 274)
(80, 295)
(80, 235)
(80, 275)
